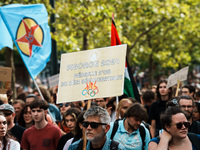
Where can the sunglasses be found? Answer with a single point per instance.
(180, 125)
(66, 105)
(93, 125)
(7, 114)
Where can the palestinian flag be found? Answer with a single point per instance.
(130, 87)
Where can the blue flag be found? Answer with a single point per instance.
(28, 27)
(5, 38)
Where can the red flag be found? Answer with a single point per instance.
(130, 87)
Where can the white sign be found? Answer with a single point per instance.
(53, 80)
(180, 75)
(92, 74)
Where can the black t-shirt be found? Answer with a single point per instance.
(194, 127)
(63, 140)
(157, 108)
(17, 132)
(91, 148)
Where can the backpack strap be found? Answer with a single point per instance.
(194, 139)
(114, 145)
(143, 135)
(115, 127)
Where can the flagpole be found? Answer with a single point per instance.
(117, 101)
(38, 89)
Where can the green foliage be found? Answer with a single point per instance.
(160, 34)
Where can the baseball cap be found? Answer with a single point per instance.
(7, 107)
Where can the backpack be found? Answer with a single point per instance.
(141, 130)
(113, 145)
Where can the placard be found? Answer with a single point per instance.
(180, 75)
(53, 80)
(92, 74)
(5, 79)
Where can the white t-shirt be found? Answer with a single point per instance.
(67, 144)
(12, 145)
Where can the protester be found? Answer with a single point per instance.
(54, 111)
(25, 119)
(18, 106)
(15, 130)
(63, 107)
(188, 90)
(42, 135)
(196, 111)
(70, 118)
(111, 107)
(96, 124)
(123, 105)
(79, 131)
(163, 95)
(4, 98)
(175, 134)
(129, 131)
(148, 98)
(101, 102)
(29, 98)
(7, 142)
(186, 103)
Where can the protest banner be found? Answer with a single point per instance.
(179, 76)
(92, 74)
(53, 81)
(5, 79)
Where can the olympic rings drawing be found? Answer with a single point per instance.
(90, 90)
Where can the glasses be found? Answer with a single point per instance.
(99, 101)
(93, 125)
(180, 125)
(7, 114)
(188, 106)
(66, 105)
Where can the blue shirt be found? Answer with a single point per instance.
(105, 147)
(131, 141)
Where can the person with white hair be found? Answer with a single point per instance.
(96, 123)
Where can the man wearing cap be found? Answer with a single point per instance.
(9, 112)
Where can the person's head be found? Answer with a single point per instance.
(123, 106)
(18, 105)
(174, 121)
(3, 126)
(188, 90)
(22, 96)
(186, 103)
(162, 90)
(25, 117)
(63, 107)
(196, 111)
(96, 123)
(134, 115)
(148, 98)
(39, 110)
(198, 95)
(70, 118)
(4, 98)
(30, 98)
(172, 102)
(101, 102)
(45, 93)
(9, 112)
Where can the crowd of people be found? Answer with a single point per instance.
(160, 121)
